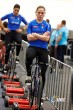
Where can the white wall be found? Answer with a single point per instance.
(56, 10)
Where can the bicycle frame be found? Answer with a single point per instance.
(35, 76)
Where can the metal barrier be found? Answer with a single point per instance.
(58, 85)
(68, 51)
(69, 47)
(23, 54)
(58, 82)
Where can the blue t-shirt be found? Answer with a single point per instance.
(64, 33)
(54, 36)
(14, 21)
(40, 28)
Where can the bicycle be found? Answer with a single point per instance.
(11, 74)
(36, 87)
(2, 55)
(11, 66)
(12, 60)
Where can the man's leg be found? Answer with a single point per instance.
(8, 40)
(52, 51)
(43, 57)
(18, 39)
(30, 55)
(60, 53)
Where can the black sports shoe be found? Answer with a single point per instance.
(5, 69)
(28, 80)
(17, 59)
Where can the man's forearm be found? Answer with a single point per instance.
(42, 37)
(58, 40)
(1, 24)
(47, 33)
(25, 27)
(31, 37)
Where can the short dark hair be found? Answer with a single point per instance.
(17, 6)
(63, 22)
(5, 24)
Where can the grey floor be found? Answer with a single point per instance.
(2, 101)
(22, 74)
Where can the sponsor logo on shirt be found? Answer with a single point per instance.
(12, 17)
(15, 22)
(42, 26)
(18, 18)
(35, 26)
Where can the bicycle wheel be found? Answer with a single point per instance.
(13, 65)
(35, 91)
(31, 88)
(35, 98)
(39, 94)
(31, 95)
(9, 64)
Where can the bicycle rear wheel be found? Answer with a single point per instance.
(39, 94)
(36, 100)
(31, 95)
(35, 91)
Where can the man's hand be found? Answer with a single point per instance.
(34, 34)
(44, 37)
(19, 30)
(56, 45)
(6, 30)
(47, 33)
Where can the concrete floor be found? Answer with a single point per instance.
(22, 74)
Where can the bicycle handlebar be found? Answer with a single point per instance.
(13, 44)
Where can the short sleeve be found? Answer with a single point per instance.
(29, 29)
(24, 20)
(5, 17)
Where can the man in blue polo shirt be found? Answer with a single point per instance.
(56, 35)
(62, 43)
(13, 31)
(66, 31)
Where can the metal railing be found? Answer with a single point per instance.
(68, 51)
(22, 55)
(58, 85)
